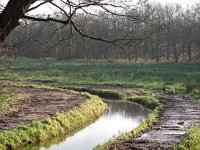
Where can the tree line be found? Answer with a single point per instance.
(159, 33)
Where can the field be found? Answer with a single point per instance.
(180, 78)
(177, 79)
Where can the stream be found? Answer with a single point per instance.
(121, 117)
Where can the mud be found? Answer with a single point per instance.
(177, 115)
(39, 104)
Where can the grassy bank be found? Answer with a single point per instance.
(191, 140)
(107, 94)
(61, 123)
(148, 102)
(181, 78)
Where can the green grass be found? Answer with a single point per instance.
(61, 123)
(146, 101)
(7, 98)
(191, 141)
(174, 77)
(107, 94)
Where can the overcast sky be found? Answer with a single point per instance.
(184, 3)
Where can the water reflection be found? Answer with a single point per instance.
(121, 117)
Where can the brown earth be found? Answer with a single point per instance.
(39, 104)
(177, 115)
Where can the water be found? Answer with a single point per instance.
(121, 117)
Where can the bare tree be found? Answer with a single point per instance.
(15, 10)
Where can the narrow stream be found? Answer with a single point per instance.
(121, 117)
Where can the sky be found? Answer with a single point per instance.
(184, 3)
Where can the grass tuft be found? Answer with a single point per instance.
(191, 141)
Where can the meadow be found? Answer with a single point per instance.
(182, 78)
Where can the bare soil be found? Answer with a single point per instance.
(39, 104)
(177, 115)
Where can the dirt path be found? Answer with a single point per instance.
(177, 115)
(39, 104)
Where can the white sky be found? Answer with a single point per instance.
(184, 3)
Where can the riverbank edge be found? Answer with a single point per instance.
(145, 101)
(190, 141)
(61, 123)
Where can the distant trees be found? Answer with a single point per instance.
(158, 33)
(65, 14)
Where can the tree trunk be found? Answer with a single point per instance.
(158, 47)
(175, 54)
(168, 47)
(9, 18)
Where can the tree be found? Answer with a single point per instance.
(15, 10)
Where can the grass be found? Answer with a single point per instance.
(61, 123)
(145, 101)
(191, 141)
(145, 124)
(7, 98)
(107, 94)
(174, 77)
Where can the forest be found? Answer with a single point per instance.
(159, 33)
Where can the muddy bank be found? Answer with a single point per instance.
(177, 115)
(39, 104)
